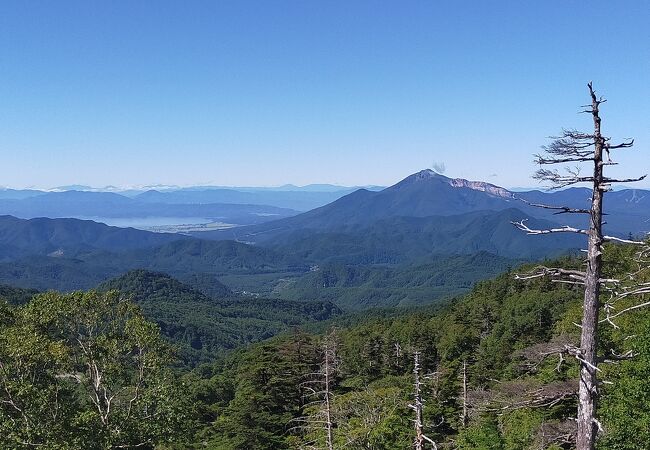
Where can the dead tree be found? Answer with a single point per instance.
(318, 394)
(575, 147)
(418, 407)
(329, 366)
(464, 414)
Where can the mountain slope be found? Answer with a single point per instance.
(422, 194)
(16, 296)
(359, 287)
(69, 254)
(69, 237)
(427, 193)
(203, 326)
(399, 240)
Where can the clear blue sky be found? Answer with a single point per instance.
(273, 92)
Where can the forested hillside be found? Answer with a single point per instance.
(486, 382)
(489, 370)
(204, 326)
(356, 287)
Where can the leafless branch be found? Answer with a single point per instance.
(564, 229)
(560, 209)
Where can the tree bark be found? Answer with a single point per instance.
(464, 415)
(588, 388)
(419, 437)
(329, 356)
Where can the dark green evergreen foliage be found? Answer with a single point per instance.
(16, 296)
(204, 327)
(626, 409)
(251, 397)
(267, 395)
(208, 284)
(362, 287)
(517, 398)
(488, 329)
(396, 240)
(180, 258)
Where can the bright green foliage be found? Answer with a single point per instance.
(252, 397)
(481, 435)
(625, 406)
(86, 370)
(376, 417)
(626, 409)
(519, 428)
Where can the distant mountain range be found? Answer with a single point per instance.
(327, 207)
(294, 200)
(81, 204)
(289, 197)
(428, 194)
(415, 228)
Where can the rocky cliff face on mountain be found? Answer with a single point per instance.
(428, 174)
(483, 187)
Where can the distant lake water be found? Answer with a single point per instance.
(145, 223)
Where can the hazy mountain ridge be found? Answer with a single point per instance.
(427, 194)
(70, 237)
(291, 197)
(424, 217)
(111, 205)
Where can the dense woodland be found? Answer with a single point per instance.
(88, 370)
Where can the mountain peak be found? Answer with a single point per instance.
(428, 175)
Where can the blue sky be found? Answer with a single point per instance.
(273, 92)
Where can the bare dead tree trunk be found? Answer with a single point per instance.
(577, 147)
(328, 370)
(417, 402)
(318, 424)
(588, 388)
(418, 407)
(398, 353)
(464, 414)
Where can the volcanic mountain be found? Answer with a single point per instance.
(427, 194)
